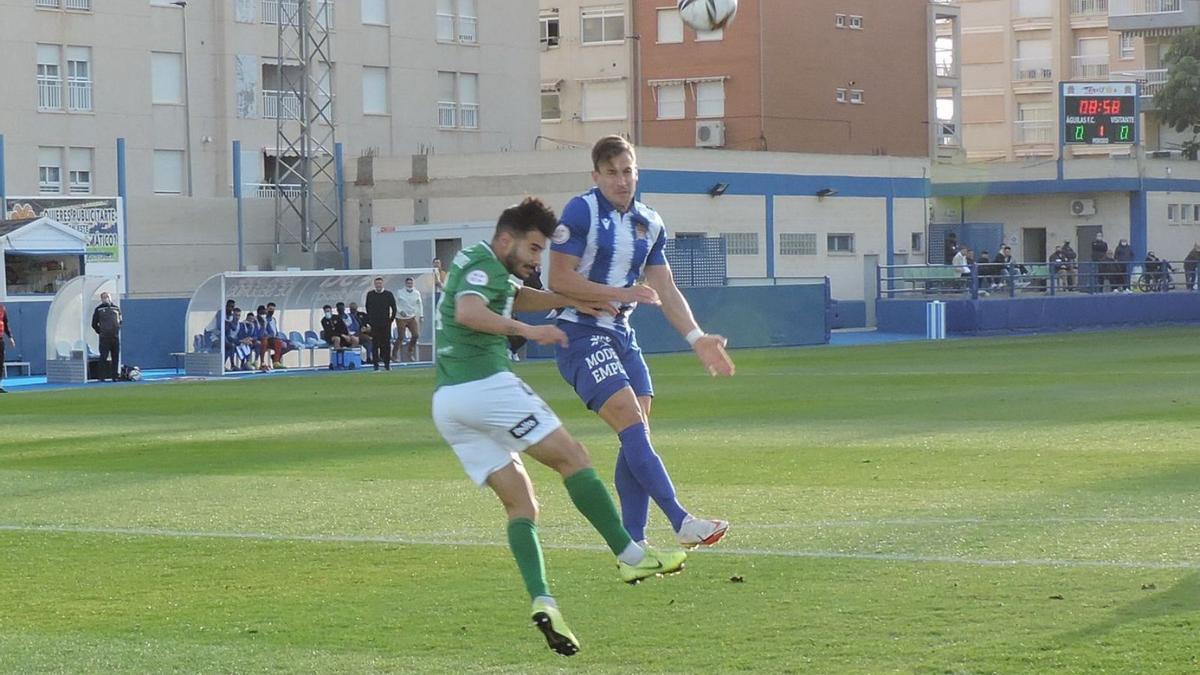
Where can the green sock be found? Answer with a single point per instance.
(596, 504)
(523, 540)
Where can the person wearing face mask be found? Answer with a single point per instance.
(334, 331)
(279, 343)
(1124, 255)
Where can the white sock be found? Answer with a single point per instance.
(632, 555)
(547, 599)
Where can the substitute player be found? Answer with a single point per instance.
(489, 416)
(603, 245)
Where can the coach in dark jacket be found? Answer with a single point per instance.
(106, 321)
(381, 313)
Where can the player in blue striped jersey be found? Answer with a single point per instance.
(606, 241)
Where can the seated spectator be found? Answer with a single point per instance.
(984, 264)
(1158, 271)
(1190, 264)
(233, 326)
(360, 327)
(1011, 272)
(275, 341)
(334, 331)
(247, 342)
(1059, 267)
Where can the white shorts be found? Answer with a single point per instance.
(489, 421)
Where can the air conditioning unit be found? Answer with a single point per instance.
(1164, 154)
(1083, 207)
(710, 134)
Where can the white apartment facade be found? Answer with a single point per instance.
(407, 77)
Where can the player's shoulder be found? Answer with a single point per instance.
(647, 215)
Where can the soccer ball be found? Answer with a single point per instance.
(707, 15)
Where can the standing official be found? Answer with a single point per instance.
(5, 333)
(106, 321)
(381, 312)
(411, 311)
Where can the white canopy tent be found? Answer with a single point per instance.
(299, 297)
(70, 341)
(39, 256)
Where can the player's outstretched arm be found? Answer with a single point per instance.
(565, 280)
(709, 348)
(537, 300)
(471, 311)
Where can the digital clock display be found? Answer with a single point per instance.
(1100, 113)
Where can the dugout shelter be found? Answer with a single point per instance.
(71, 344)
(299, 297)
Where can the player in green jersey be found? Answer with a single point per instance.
(490, 417)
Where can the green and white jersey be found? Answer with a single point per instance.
(463, 354)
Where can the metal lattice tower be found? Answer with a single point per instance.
(306, 194)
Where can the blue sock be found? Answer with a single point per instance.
(635, 501)
(647, 467)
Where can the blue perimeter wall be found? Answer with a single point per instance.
(750, 316)
(1042, 313)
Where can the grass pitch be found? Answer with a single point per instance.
(986, 505)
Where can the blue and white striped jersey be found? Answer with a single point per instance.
(612, 247)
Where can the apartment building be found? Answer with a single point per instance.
(406, 77)
(783, 76)
(1015, 53)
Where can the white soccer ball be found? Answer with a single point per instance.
(707, 15)
(135, 374)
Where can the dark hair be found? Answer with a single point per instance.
(270, 305)
(326, 307)
(377, 279)
(608, 147)
(237, 310)
(531, 214)
(230, 301)
(341, 304)
(262, 308)
(409, 279)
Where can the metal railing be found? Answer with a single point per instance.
(49, 93)
(1136, 7)
(1151, 80)
(280, 103)
(79, 5)
(1089, 7)
(1033, 131)
(46, 3)
(1017, 279)
(1089, 67)
(468, 115)
(1033, 69)
(447, 114)
(268, 190)
(79, 94)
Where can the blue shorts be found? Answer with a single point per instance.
(599, 363)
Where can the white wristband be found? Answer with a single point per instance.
(694, 335)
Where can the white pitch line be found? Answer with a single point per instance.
(755, 552)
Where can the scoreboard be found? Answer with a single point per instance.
(1099, 113)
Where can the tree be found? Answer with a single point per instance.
(1178, 102)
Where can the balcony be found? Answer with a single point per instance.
(49, 93)
(1034, 132)
(1032, 14)
(1033, 74)
(1151, 82)
(1089, 13)
(274, 11)
(1089, 67)
(1150, 18)
(267, 190)
(280, 105)
(79, 5)
(79, 95)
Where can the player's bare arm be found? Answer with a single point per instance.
(536, 300)
(710, 348)
(472, 312)
(566, 280)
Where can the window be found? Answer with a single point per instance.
(1172, 213)
(375, 90)
(856, 22)
(710, 99)
(1185, 213)
(839, 243)
(710, 35)
(457, 21)
(166, 77)
(918, 242)
(839, 95)
(50, 161)
(551, 106)
(49, 78)
(1091, 58)
(79, 176)
(79, 5)
(1127, 46)
(1196, 213)
(79, 79)
(604, 100)
(458, 100)
(797, 243)
(1034, 60)
(548, 31)
(670, 101)
(603, 25)
(48, 4)
(374, 12)
(839, 20)
(670, 26)
(740, 243)
(168, 172)
(856, 96)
